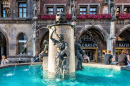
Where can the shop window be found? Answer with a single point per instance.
(117, 10)
(93, 10)
(83, 10)
(60, 8)
(126, 10)
(50, 10)
(3, 13)
(22, 44)
(22, 10)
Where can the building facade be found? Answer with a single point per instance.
(93, 25)
(15, 29)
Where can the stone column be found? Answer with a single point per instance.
(55, 9)
(111, 41)
(88, 9)
(28, 9)
(122, 9)
(68, 32)
(109, 8)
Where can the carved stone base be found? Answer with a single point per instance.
(45, 63)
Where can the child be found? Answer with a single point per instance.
(4, 61)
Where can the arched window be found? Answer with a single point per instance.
(22, 49)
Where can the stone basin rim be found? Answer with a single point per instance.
(98, 65)
(101, 65)
(20, 64)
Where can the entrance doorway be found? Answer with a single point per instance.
(2, 45)
(91, 52)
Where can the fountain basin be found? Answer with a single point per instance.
(22, 76)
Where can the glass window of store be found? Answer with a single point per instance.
(50, 10)
(60, 8)
(117, 10)
(83, 10)
(126, 10)
(3, 13)
(93, 10)
(22, 10)
(22, 44)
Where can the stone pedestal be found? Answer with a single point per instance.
(68, 32)
(45, 63)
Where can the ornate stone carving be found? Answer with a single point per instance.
(6, 6)
(92, 22)
(62, 53)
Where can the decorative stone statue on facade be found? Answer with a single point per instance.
(35, 7)
(113, 10)
(62, 52)
(79, 54)
(73, 6)
(45, 51)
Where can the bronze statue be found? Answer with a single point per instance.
(79, 54)
(62, 52)
(45, 51)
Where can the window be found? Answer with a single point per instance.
(3, 13)
(93, 10)
(126, 10)
(22, 44)
(117, 10)
(50, 10)
(22, 10)
(83, 10)
(60, 8)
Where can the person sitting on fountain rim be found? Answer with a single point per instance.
(4, 61)
(108, 58)
(36, 59)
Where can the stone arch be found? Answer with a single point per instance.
(96, 27)
(100, 37)
(42, 35)
(122, 30)
(17, 35)
(7, 41)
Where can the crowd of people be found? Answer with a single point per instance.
(123, 58)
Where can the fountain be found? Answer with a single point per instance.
(61, 54)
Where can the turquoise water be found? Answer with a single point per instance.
(90, 76)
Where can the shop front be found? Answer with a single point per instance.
(90, 49)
